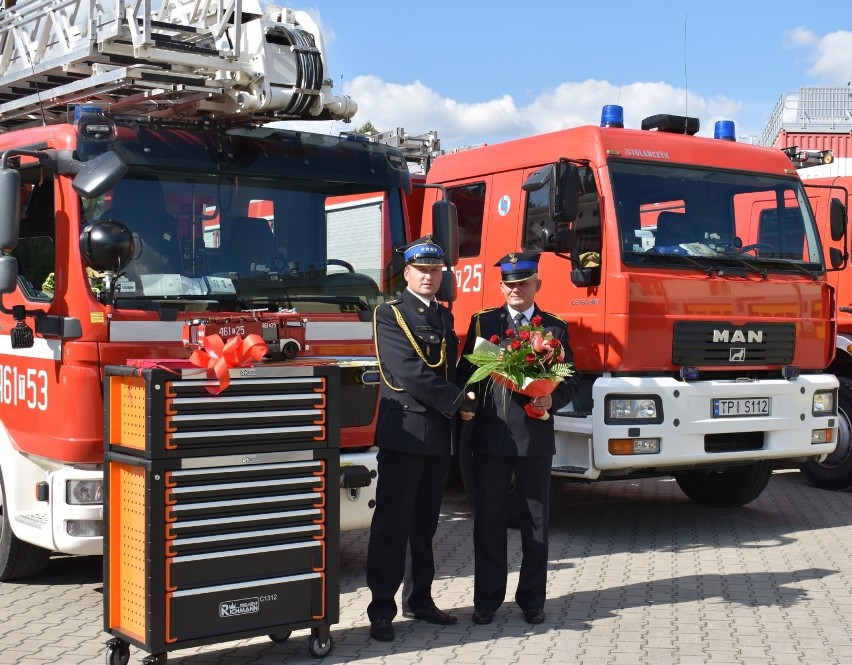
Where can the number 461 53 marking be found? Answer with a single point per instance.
(469, 278)
(25, 387)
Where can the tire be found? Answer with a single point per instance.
(318, 648)
(835, 471)
(726, 488)
(18, 560)
(117, 653)
(280, 638)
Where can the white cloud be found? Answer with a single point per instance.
(419, 109)
(799, 36)
(832, 58)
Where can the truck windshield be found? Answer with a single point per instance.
(234, 242)
(713, 218)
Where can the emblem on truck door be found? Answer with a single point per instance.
(503, 205)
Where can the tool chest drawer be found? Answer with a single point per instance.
(171, 413)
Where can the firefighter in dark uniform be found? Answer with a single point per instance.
(417, 349)
(505, 441)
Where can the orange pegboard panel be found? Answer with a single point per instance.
(127, 545)
(127, 411)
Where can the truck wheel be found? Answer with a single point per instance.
(726, 488)
(18, 559)
(835, 471)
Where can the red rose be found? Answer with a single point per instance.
(495, 339)
(515, 345)
(531, 358)
(536, 320)
(524, 334)
(554, 344)
(510, 332)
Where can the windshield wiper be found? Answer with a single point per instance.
(741, 261)
(789, 263)
(675, 258)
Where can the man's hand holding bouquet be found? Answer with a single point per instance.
(529, 361)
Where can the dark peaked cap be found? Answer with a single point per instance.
(422, 252)
(518, 266)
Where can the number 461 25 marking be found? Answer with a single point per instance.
(469, 278)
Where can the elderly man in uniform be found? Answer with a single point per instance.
(506, 441)
(416, 347)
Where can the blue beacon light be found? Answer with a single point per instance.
(612, 115)
(725, 130)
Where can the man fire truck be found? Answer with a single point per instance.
(144, 203)
(700, 315)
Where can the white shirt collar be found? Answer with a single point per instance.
(527, 313)
(420, 298)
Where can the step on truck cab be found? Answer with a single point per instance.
(701, 318)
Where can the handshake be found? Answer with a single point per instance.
(468, 408)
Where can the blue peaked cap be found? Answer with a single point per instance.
(423, 252)
(518, 266)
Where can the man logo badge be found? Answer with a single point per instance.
(737, 355)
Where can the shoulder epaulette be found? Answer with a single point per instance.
(484, 311)
(558, 318)
(395, 301)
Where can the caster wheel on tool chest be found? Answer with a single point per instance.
(118, 653)
(317, 647)
(280, 638)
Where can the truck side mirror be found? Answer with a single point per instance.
(10, 207)
(445, 229)
(8, 274)
(447, 290)
(99, 175)
(563, 180)
(837, 219)
(565, 196)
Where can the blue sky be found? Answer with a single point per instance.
(486, 72)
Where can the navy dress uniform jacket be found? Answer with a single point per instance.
(502, 426)
(416, 347)
(418, 396)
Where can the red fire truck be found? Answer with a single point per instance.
(135, 161)
(813, 127)
(693, 279)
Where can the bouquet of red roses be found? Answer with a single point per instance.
(529, 361)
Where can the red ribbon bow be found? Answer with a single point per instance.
(219, 357)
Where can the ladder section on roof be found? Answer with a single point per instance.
(419, 150)
(811, 109)
(191, 58)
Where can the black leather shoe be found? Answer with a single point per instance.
(382, 629)
(535, 615)
(434, 615)
(482, 617)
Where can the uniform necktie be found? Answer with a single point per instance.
(435, 318)
(520, 319)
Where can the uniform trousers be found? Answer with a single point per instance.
(409, 492)
(492, 479)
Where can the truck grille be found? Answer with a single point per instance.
(724, 344)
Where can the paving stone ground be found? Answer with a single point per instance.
(638, 574)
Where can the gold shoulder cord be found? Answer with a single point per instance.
(378, 358)
(401, 321)
(442, 359)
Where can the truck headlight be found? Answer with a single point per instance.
(824, 403)
(84, 492)
(629, 410)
